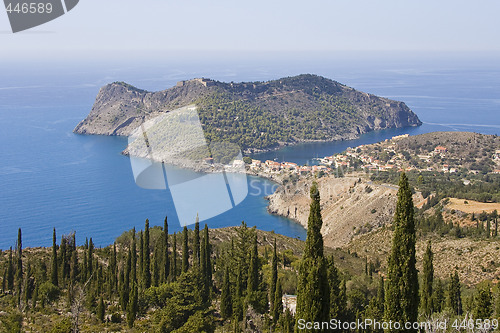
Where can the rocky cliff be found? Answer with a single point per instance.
(350, 206)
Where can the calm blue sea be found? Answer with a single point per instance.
(50, 177)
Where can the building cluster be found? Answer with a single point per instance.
(277, 167)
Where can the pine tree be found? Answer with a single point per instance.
(147, 259)
(185, 250)
(438, 300)
(455, 294)
(427, 282)
(54, 260)
(278, 303)
(226, 303)
(401, 294)
(100, 310)
(196, 242)
(166, 259)
(313, 291)
(274, 277)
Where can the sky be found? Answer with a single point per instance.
(96, 28)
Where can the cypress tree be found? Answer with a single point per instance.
(497, 304)
(483, 303)
(274, 277)
(173, 266)
(488, 228)
(121, 286)
(226, 305)
(100, 310)
(114, 269)
(19, 266)
(4, 281)
(313, 291)
(196, 242)
(278, 303)
(401, 294)
(253, 270)
(185, 250)
(90, 259)
(147, 259)
(85, 266)
(208, 259)
(54, 260)
(132, 305)
(63, 253)
(10, 272)
(19, 257)
(238, 297)
(455, 294)
(336, 309)
(126, 280)
(427, 282)
(133, 261)
(166, 259)
(141, 258)
(438, 300)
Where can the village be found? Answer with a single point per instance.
(385, 158)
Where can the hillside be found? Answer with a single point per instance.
(351, 205)
(255, 115)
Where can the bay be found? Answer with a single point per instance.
(52, 178)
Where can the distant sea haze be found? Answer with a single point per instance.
(51, 177)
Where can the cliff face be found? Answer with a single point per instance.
(349, 208)
(255, 115)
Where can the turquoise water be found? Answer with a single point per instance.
(50, 177)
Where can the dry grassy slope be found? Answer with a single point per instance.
(348, 209)
(477, 260)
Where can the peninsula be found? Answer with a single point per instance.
(257, 116)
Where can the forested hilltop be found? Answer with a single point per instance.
(254, 115)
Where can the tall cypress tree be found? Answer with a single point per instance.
(84, 265)
(90, 259)
(401, 295)
(427, 282)
(185, 250)
(196, 242)
(133, 261)
(438, 299)
(208, 259)
(166, 259)
(455, 294)
(19, 265)
(53, 276)
(10, 272)
(336, 309)
(147, 259)
(483, 302)
(173, 266)
(226, 303)
(132, 305)
(141, 258)
(274, 277)
(278, 303)
(313, 292)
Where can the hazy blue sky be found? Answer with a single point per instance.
(163, 26)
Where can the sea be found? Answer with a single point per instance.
(53, 178)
